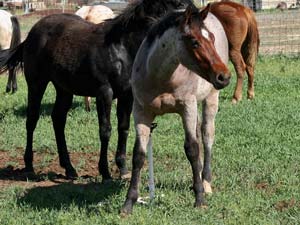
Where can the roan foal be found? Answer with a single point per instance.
(176, 66)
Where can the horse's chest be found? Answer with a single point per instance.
(165, 103)
(203, 89)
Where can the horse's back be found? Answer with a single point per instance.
(5, 29)
(235, 19)
(61, 48)
(62, 35)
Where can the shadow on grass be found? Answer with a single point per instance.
(9, 173)
(69, 194)
(46, 109)
(54, 191)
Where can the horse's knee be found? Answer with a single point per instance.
(105, 132)
(139, 155)
(191, 147)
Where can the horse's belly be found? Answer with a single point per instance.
(78, 85)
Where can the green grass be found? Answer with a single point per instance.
(256, 172)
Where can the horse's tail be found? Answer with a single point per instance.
(11, 58)
(16, 32)
(251, 44)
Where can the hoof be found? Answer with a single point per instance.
(107, 180)
(250, 97)
(234, 101)
(28, 172)
(207, 187)
(28, 169)
(125, 176)
(201, 205)
(71, 174)
(126, 210)
(14, 90)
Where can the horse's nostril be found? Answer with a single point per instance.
(221, 77)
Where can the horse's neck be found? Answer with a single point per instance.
(163, 59)
(132, 41)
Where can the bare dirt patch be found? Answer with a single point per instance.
(47, 169)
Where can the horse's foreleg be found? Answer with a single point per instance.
(142, 125)
(209, 111)
(124, 108)
(239, 66)
(62, 105)
(191, 146)
(35, 95)
(103, 103)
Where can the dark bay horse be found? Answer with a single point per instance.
(181, 62)
(85, 59)
(94, 14)
(242, 33)
(10, 37)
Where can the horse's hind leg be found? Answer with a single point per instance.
(9, 81)
(142, 126)
(12, 81)
(103, 104)
(250, 73)
(239, 66)
(191, 146)
(124, 108)
(62, 105)
(209, 111)
(35, 95)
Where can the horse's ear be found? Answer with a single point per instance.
(140, 11)
(204, 12)
(189, 12)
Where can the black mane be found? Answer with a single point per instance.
(139, 15)
(120, 24)
(168, 21)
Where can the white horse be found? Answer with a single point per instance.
(181, 62)
(94, 14)
(10, 37)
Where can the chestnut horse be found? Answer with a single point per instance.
(10, 37)
(242, 33)
(85, 59)
(182, 61)
(94, 14)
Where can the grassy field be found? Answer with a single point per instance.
(256, 172)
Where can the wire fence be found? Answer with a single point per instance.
(278, 22)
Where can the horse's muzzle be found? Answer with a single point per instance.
(222, 80)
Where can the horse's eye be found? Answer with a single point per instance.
(195, 43)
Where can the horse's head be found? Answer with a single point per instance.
(198, 43)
